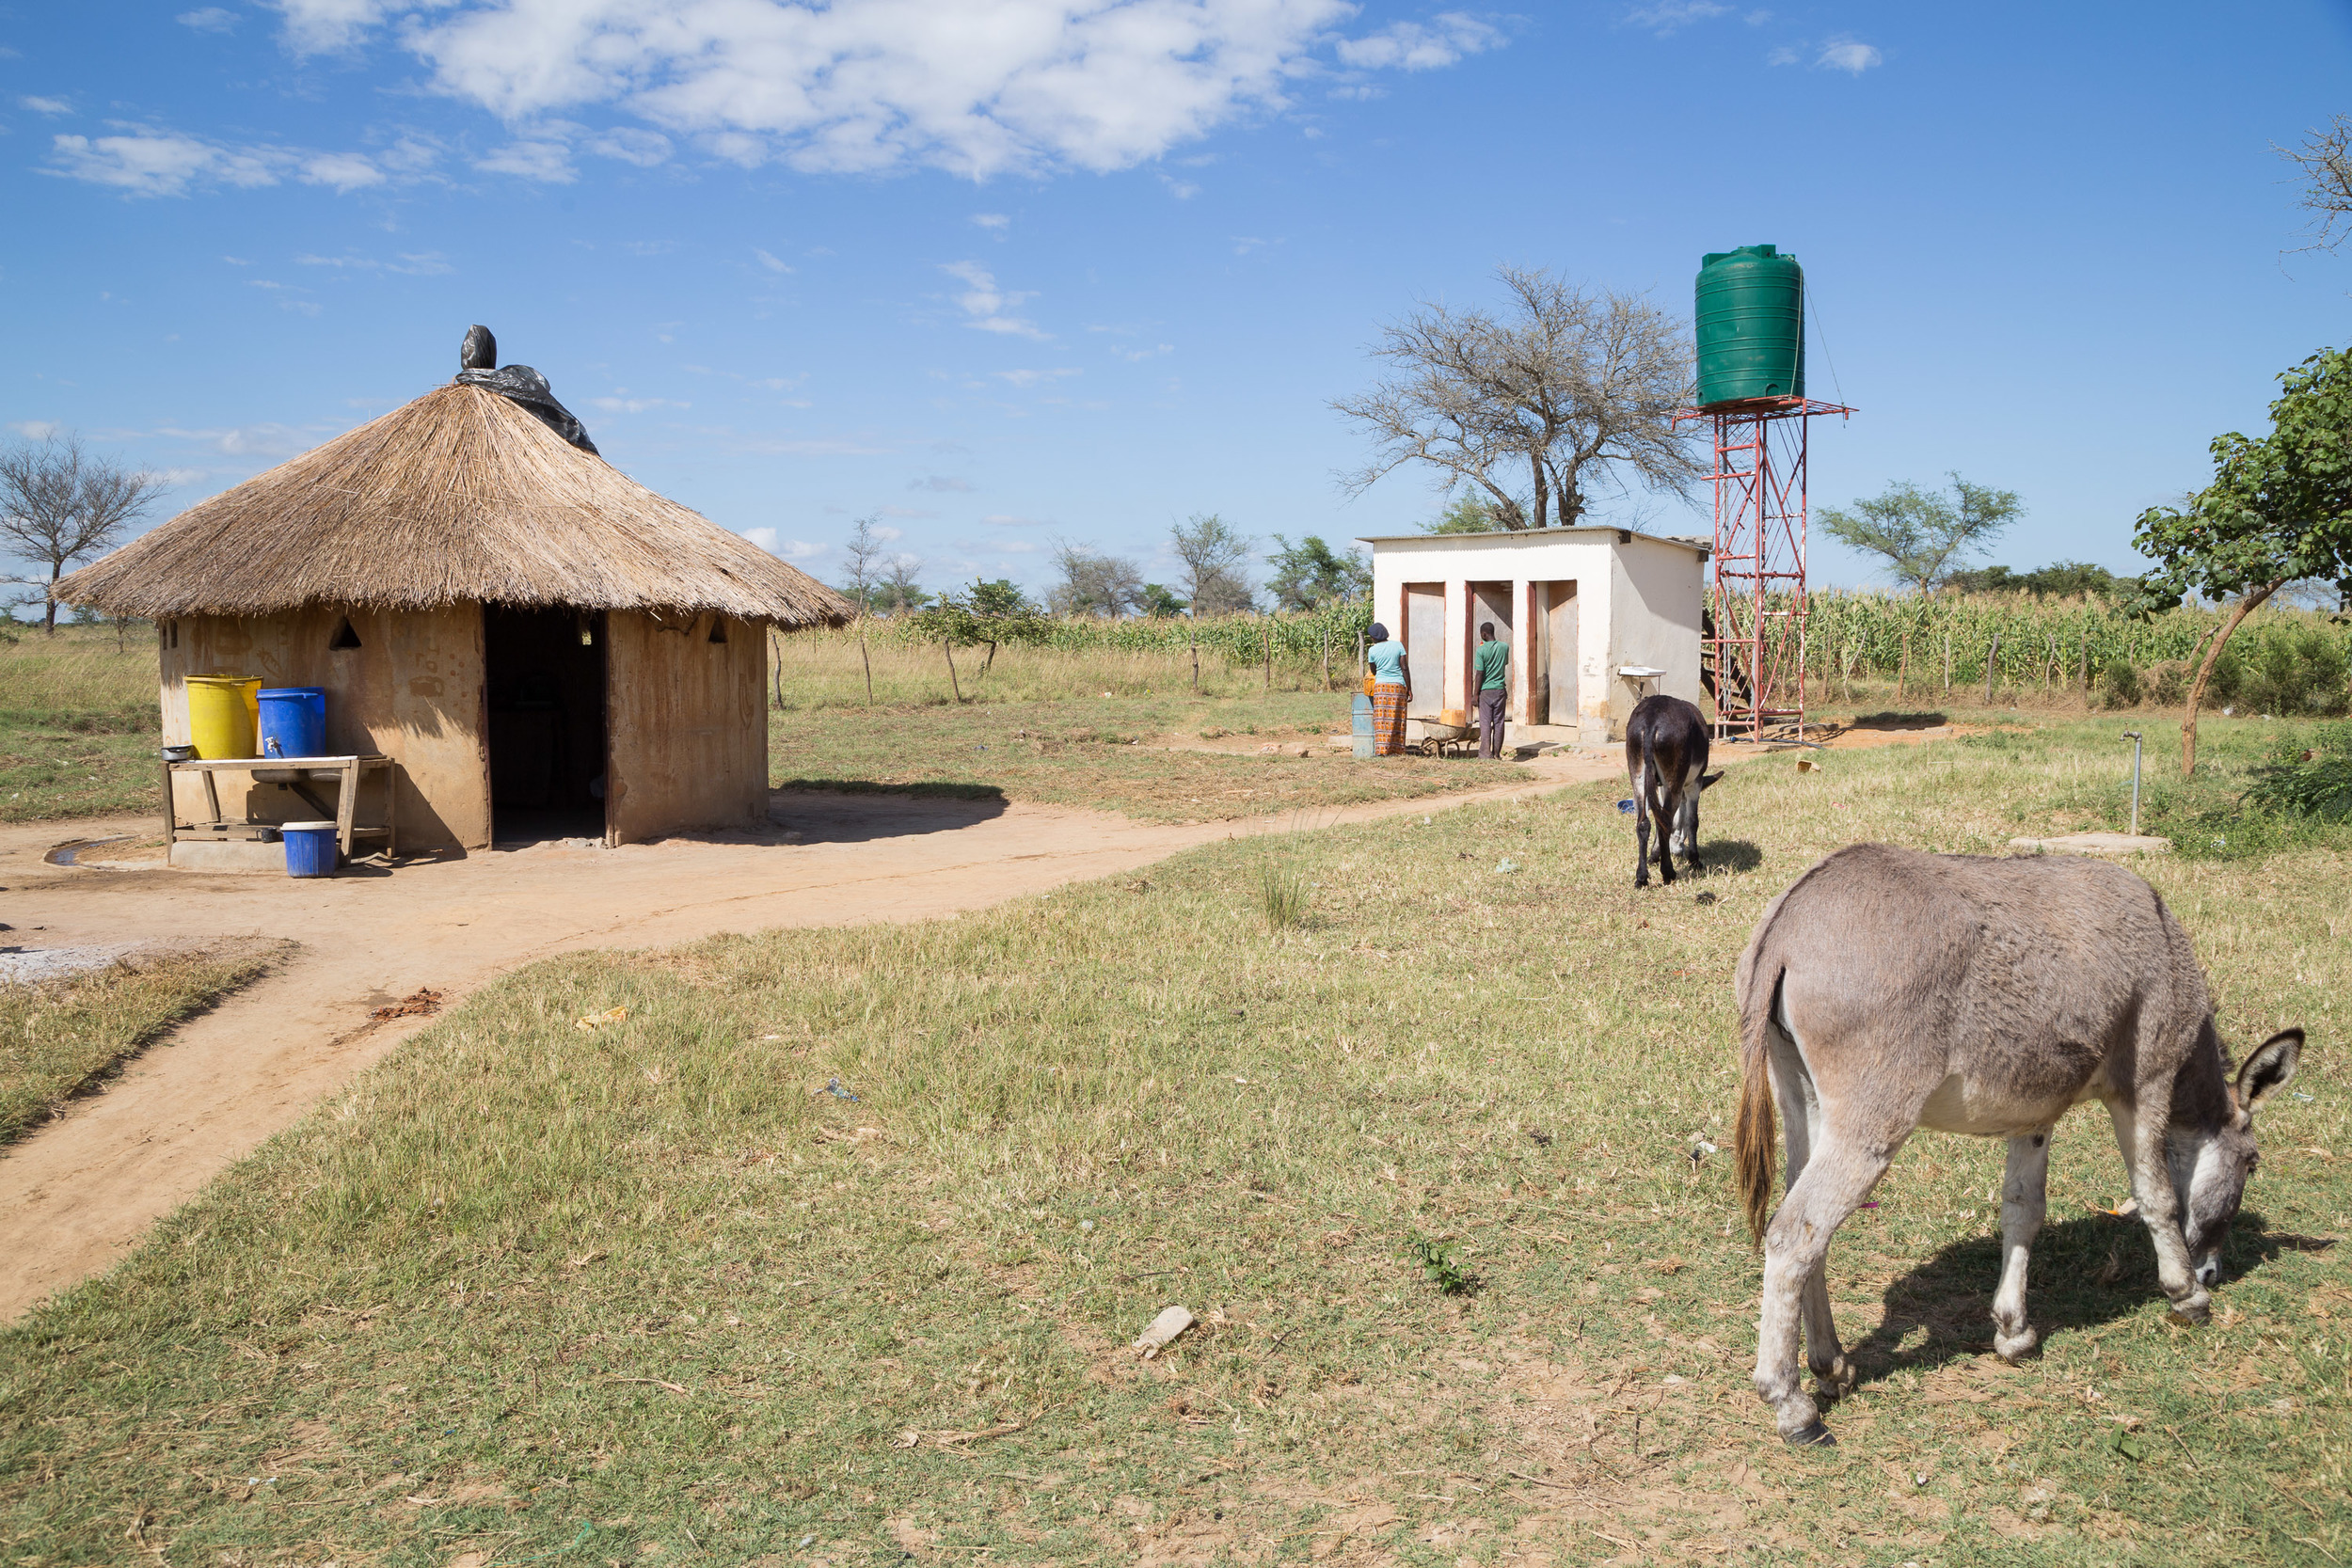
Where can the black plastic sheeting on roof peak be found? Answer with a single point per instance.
(518, 384)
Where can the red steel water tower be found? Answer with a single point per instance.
(1751, 391)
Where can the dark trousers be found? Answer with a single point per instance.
(1490, 723)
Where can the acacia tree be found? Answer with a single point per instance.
(1212, 551)
(1565, 389)
(2325, 159)
(1312, 572)
(60, 503)
(1094, 583)
(1919, 533)
(2278, 509)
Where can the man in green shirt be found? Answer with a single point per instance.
(1492, 663)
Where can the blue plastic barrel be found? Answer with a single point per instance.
(294, 720)
(310, 848)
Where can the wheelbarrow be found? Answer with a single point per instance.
(1437, 735)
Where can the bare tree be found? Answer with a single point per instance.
(2326, 160)
(1094, 583)
(1565, 389)
(865, 551)
(60, 503)
(1212, 551)
(898, 583)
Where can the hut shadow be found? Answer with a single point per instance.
(2086, 1272)
(844, 811)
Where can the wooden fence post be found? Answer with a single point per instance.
(1192, 630)
(1268, 629)
(1948, 666)
(1989, 655)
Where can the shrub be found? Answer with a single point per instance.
(2168, 682)
(2120, 684)
(2315, 782)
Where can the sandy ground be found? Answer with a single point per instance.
(78, 1193)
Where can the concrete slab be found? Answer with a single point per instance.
(2097, 844)
(229, 854)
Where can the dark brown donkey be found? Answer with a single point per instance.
(1665, 755)
(1889, 991)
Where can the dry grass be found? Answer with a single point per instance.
(818, 669)
(64, 1036)
(78, 723)
(657, 1290)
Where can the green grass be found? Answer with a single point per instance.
(78, 726)
(60, 1037)
(1101, 753)
(652, 1291)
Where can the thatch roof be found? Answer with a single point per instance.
(461, 495)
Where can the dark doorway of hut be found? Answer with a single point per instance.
(545, 677)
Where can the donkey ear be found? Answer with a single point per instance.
(1706, 779)
(2268, 1068)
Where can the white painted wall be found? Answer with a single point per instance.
(1638, 599)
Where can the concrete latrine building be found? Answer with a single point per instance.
(1580, 607)
(540, 643)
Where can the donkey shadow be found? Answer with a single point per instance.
(2086, 1272)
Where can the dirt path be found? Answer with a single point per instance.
(80, 1193)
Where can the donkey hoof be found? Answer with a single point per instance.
(2014, 1347)
(1814, 1436)
(2192, 1315)
(1834, 1381)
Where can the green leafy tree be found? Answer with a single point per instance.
(1160, 602)
(2278, 509)
(1312, 572)
(1001, 598)
(2061, 579)
(1468, 513)
(1923, 534)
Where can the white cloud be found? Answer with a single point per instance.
(911, 513)
(344, 172)
(147, 162)
(939, 481)
(1030, 378)
(1007, 519)
(1782, 56)
(1015, 547)
(250, 441)
(327, 27)
(771, 262)
(989, 306)
(45, 105)
(1134, 355)
(625, 405)
(423, 263)
(212, 19)
(1411, 46)
(1664, 16)
(547, 159)
(36, 430)
(790, 549)
(1848, 56)
(998, 221)
(981, 88)
(889, 534)
(642, 147)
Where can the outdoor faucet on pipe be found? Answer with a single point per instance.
(2133, 735)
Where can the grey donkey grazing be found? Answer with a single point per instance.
(1665, 756)
(1889, 991)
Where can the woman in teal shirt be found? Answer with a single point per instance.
(1391, 688)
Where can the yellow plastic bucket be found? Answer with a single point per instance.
(221, 715)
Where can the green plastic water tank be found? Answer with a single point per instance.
(1751, 326)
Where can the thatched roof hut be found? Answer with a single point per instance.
(543, 644)
(459, 496)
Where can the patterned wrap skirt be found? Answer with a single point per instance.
(1388, 720)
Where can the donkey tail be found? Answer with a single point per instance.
(1754, 1134)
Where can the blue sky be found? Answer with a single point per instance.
(1010, 270)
